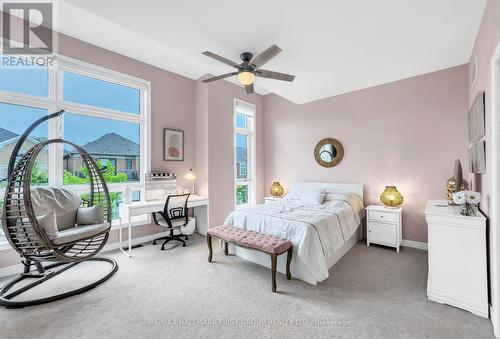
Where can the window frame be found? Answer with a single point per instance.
(250, 132)
(55, 102)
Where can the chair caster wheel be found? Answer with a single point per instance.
(154, 243)
(163, 248)
(186, 237)
(183, 245)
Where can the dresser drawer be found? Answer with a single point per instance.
(386, 217)
(382, 233)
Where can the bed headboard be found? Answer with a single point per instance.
(354, 188)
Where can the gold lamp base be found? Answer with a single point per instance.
(390, 197)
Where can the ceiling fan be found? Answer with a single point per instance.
(249, 68)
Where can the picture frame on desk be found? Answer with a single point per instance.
(173, 145)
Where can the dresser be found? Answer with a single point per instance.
(457, 258)
(384, 226)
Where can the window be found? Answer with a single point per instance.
(129, 164)
(86, 90)
(106, 114)
(244, 153)
(32, 81)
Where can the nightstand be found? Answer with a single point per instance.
(268, 200)
(384, 226)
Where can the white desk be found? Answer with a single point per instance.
(127, 211)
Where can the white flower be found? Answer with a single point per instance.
(473, 197)
(459, 198)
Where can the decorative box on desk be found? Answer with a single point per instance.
(384, 226)
(457, 258)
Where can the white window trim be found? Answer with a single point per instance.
(251, 160)
(54, 102)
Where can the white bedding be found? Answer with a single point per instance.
(316, 231)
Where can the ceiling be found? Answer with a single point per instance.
(332, 46)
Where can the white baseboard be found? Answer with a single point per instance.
(492, 318)
(453, 299)
(414, 244)
(16, 269)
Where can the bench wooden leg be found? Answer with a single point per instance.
(226, 251)
(209, 243)
(288, 261)
(274, 258)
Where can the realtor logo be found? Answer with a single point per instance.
(27, 28)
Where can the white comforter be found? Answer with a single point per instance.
(315, 231)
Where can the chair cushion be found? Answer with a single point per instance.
(175, 223)
(90, 215)
(64, 203)
(78, 233)
(264, 242)
(49, 223)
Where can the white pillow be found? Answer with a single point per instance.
(48, 223)
(294, 195)
(313, 197)
(64, 203)
(90, 215)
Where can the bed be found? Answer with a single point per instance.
(321, 234)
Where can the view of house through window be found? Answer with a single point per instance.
(244, 153)
(104, 115)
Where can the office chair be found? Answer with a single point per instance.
(174, 216)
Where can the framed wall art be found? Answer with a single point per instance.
(173, 145)
(476, 119)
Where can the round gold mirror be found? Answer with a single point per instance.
(329, 152)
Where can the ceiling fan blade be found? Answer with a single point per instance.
(219, 77)
(249, 89)
(274, 75)
(221, 59)
(265, 56)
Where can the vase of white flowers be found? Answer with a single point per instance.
(468, 200)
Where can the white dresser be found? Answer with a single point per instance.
(384, 226)
(457, 258)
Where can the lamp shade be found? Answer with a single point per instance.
(190, 175)
(276, 189)
(390, 197)
(246, 78)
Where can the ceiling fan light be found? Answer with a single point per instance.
(246, 78)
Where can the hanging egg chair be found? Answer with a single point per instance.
(42, 238)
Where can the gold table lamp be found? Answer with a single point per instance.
(276, 189)
(390, 197)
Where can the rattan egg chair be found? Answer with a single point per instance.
(31, 241)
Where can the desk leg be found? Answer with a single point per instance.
(201, 215)
(129, 239)
(129, 254)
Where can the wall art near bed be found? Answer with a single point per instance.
(477, 157)
(329, 152)
(173, 145)
(476, 119)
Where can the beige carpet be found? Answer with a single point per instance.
(371, 293)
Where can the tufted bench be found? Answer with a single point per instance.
(269, 244)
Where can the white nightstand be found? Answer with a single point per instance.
(267, 200)
(384, 226)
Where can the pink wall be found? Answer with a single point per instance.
(406, 133)
(216, 144)
(487, 41)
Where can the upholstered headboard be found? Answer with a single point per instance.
(354, 188)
